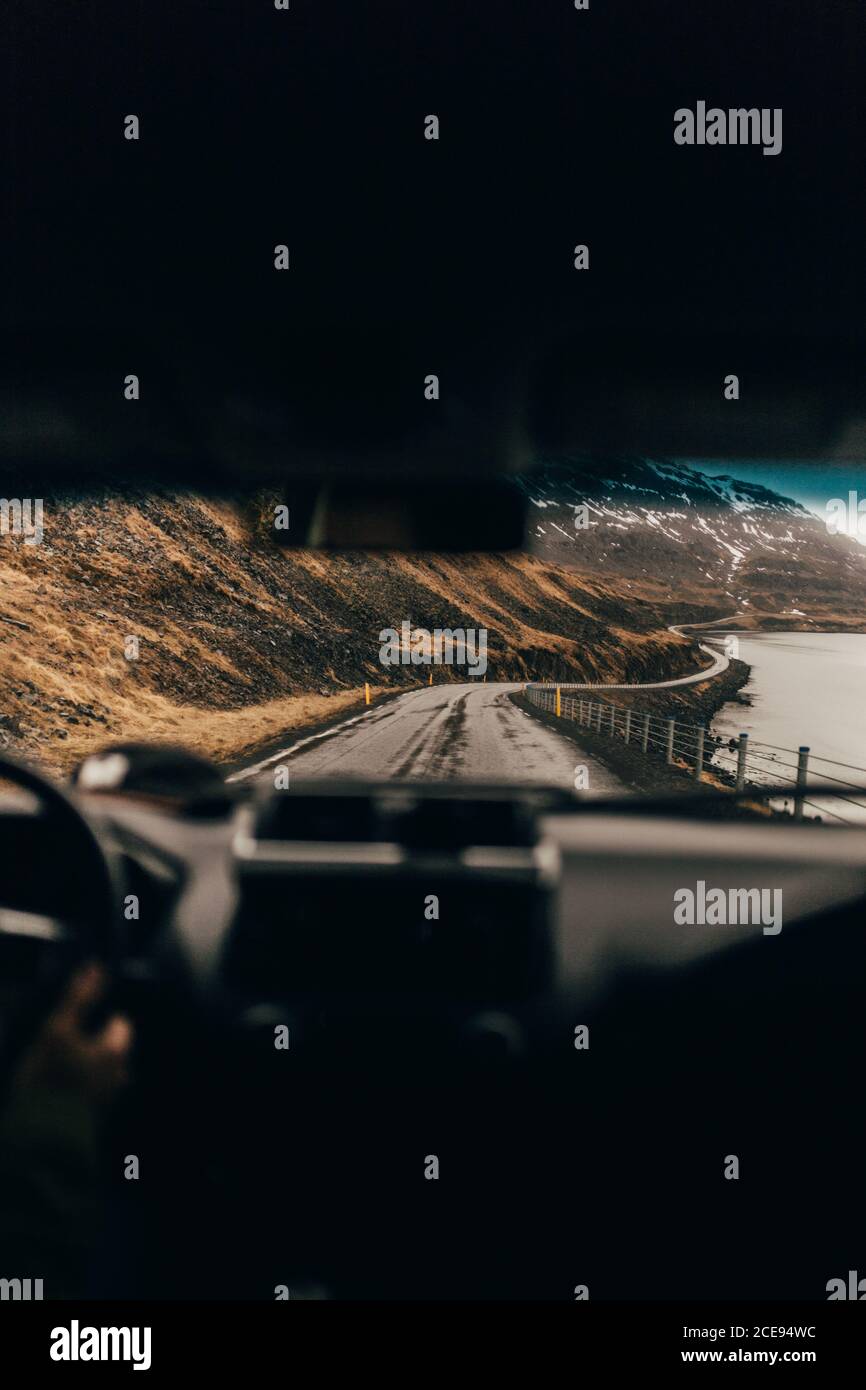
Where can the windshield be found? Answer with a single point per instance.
(666, 628)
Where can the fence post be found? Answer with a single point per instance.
(627, 724)
(645, 739)
(802, 769)
(699, 753)
(589, 714)
(600, 708)
(669, 756)
(612, 720)
(742, 754)
(558, 704)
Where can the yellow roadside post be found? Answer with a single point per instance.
(430, 678)
(558, 704)
(366, 692)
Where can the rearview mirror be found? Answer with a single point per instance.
(441, 514)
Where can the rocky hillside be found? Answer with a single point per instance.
(708, 539)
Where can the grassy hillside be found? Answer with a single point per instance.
(240, 641)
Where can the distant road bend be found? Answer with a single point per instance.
(719, 663)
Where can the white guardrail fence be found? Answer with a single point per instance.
(743, 762)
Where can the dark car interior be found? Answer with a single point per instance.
(454, 1037)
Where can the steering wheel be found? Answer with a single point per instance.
(97, 934)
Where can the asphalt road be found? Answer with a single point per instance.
(469, 732)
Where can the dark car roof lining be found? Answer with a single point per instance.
(411, 256)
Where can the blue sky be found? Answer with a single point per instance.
(813, 484)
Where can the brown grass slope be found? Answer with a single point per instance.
(240, 640)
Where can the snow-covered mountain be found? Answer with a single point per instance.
(656, 522)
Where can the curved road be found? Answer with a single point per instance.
(719, 663)
(470, 732)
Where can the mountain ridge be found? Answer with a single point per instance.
(706, 538)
